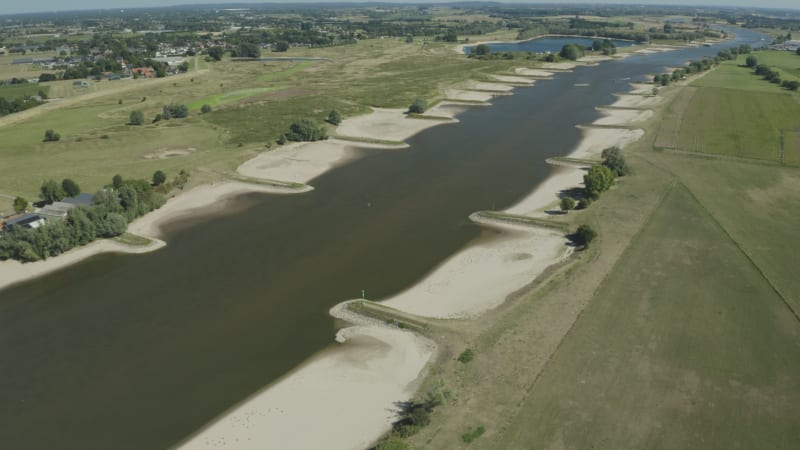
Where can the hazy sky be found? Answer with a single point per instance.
(13, 7)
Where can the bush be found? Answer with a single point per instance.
(567, 203)
(159, 178)
(335, 117)
(136, 118)
(205, 109)
(307, 129)
(466, 356)
(571, 51)
(51, 192)
(419, 106)
(175, 110)
(584, 235)
(20, 205)
(51, 136)
(751, 61)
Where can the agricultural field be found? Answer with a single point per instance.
(733, 112)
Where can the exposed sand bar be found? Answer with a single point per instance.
(533, 72)
(300, 162)
(490, 87)
(641, 88)
(513, 79)
(341, 399)
(623, 117)
(482, 275)
(468, 96)
(636, 101)
(595, 140)
(546, 196)
(385, 124)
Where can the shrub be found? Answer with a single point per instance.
(307, 129)
(51, 136)
(584, 235)
(567, 203)
(159, 178)
(205, 109)
(136, 118)
(20, 205)
(419, 106)
(70, 188)
(466, 356)
(175, 110)
(335, 117)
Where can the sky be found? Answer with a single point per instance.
(15, 7)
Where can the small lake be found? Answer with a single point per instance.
(550, 44)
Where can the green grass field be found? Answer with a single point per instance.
(684, 346)
(732, 112)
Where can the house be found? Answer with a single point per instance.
(147, 72)
(30, 221)
(55, 211)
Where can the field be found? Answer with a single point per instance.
(685, 343)
(736, 113)
(253, 104)
(678, 329)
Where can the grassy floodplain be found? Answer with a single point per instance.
(679, 328)
(253, 104)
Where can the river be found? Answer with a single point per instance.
(138, 351)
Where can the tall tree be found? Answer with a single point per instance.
(51, 192)
(70, 187)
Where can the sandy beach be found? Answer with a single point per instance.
(533, 72)
(514, 79)
(636, 101)
(385, 124)
(467, 96)
(623, 117)
(340, 399)
(482, 275)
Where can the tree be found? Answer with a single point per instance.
(136, 118)
(567, 203)
(51, 192)
(216, 53)
(281, 46)
(205, 109)
(20, 205)
(176, 110)
(751, 61)
(792, 85)
(117, 181)
(798, 51)
(335, 117)
(70, 187)
(159, 178)
(451, 36)
(307, 129)
(598, 180)
(571, 51)
(419, 106)
(584, 235)
(482, 50)
(613, 159)
(51, 136)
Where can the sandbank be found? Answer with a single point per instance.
(483, 274)
(300, 162)
(533, 72)
(623, 117)
(636, 101)
(595, 140)
(559, 66)
(385, 124)
(467, 96)
(491, 87)
(513, 79)
(343, 398)
(547, 194)
(641, 88)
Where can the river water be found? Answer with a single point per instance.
(138, 351)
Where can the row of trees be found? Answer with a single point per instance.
(112, 209)
(772, 75)
(13, 105)
(599, 179)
